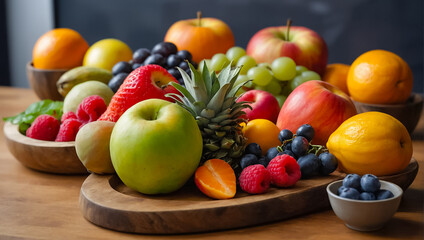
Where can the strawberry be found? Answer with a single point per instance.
(145, 82)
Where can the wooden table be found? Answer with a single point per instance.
(36, 205)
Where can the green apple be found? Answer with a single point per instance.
(155, 146)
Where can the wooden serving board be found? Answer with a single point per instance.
(107, 202)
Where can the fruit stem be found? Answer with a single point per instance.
(288, 24)
(199, 18)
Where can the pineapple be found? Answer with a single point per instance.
(211, 99)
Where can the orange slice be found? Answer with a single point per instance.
(216, 179)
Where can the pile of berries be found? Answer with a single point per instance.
(281, 171)
(365, 188)
(48, 128)
(312, 159)
(164, 54)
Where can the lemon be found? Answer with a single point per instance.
(106, 53)
(371, 142)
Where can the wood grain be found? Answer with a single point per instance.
(107, 202)
(35, 205)
(408, 114)
(43, 82)
(46, 156)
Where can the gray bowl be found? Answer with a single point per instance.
(363, 215)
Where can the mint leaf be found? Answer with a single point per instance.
(25, 119)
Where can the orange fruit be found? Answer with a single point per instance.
(60, 48)
(371, 142)
(336, 75)
(263, 132)
(380, 77)
(216, 179)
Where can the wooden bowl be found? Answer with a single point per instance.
(45, 156)
(43, 81)
(408, 114)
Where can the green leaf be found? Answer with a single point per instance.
(183, 91)
(208, 80)
(25, 119)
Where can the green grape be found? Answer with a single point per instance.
(257, 87)
(219, 61)
(247, 62)
(273, 87)
(204, 61)
(261, 76)
(300, 69)
(311, 75)
(241, 79)
(234, 54)
(265, 65)
(281, 99)
(283, 68)
(304, 77)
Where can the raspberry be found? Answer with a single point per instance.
(255, 179)
(68, 115)
(91, 108)
(68, 130)
(284, 171)
(44, 127)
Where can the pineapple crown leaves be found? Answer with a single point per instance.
(206, 90)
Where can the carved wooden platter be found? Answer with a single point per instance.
(107, 202)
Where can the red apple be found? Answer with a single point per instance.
(264, 105)
(301, 44)
(319, 104)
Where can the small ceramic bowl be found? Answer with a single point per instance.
(45, 156)
(43, 81)
(408, 114)
(363, 215)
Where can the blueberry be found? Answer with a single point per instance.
(299, 146)
(121, 67)
(351, 193)
(155, 59)
(184, 65)
(352, 181)
(384, 194)
(140, 55)
(288, 152)
(309, 165)
(173, 61)
(264, 161)
(175, 73)
(195, 65)
(247, 160)
(370, 183)
(254, 148)
(165, 49)
(285, 134)
(288, 146)
(271, 153)
(366, 196)
(328, 163)
(306, 131)
(136, 65)
(340, 190)
(116, 81)
(184, 54)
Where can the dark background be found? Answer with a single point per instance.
(349, 27)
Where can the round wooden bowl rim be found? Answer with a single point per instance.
(417, 99)
(31, 67)
(11, 131)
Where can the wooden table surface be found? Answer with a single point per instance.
(35, 205)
